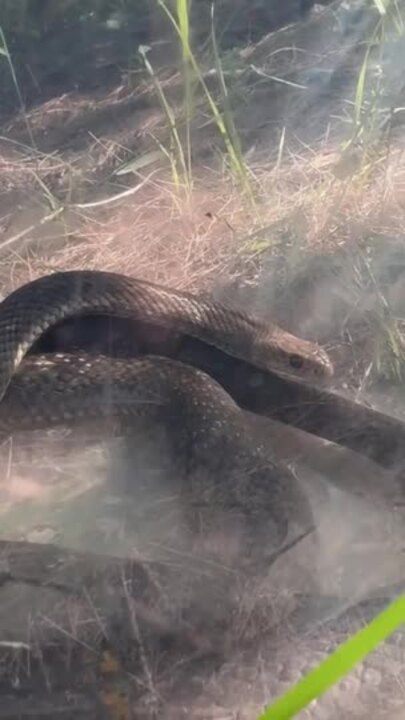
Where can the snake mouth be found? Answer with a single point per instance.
(323, 367)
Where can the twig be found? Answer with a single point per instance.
(114, 198)
(23, 233)
(74, 206)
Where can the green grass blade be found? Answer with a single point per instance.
(5, 53)
(232, 134)
(360, 87)
(338, 664)
(184, 26)
(183, 18)
(216, 113)
(177, 154)
(381, 6)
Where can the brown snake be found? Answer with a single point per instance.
(29, 311)
(223, 464)
(208, 430)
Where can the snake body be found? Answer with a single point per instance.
(222, 465)
(30, 310)
(218, 466)
(207, 428)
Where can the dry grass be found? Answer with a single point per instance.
(190, 241)
(310, 205)
(305, 181)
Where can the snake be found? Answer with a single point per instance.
(32, 309)
(224, 466)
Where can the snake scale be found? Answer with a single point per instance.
(223, 464)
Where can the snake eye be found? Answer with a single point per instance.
(296, 362)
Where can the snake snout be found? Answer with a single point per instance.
(321, 368)
(301, 359)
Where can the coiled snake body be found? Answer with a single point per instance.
(223, 466)
(29, 311)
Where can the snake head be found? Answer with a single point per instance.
(288, 355)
